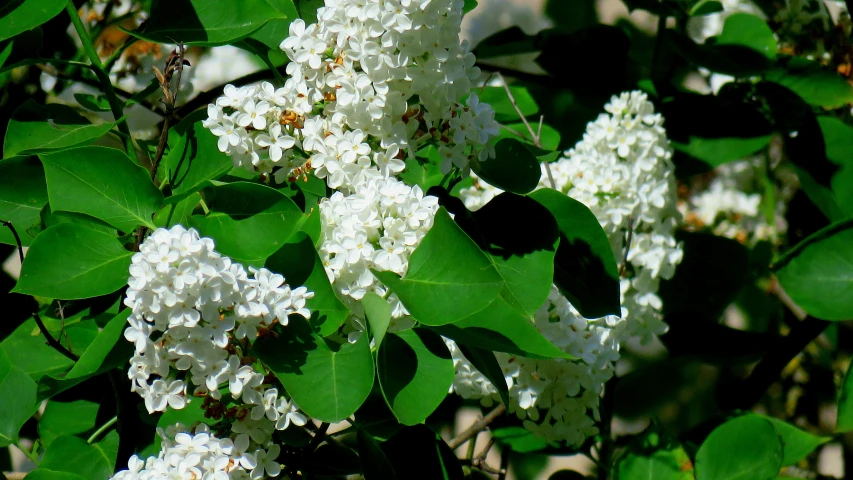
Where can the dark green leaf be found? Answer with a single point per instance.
(66, 418)
(93, 103)
(31, 354)
(308, 9)
(198, 22)
(513, 169)
(378, 313)
(511, 41)
(744, 448)
(816, 84)
(449, 278)
(178, 212)
(328, 381)
(818, 273)
(717, 151)
(333, 459)
(519, 439)
(70, 262)
(17, 16)
(748, 31)
(705, 7)
(838, 137)
(104, 183)
(736, 60)
(374, 463)
(36, 128)
(248, 221)
(300, 264)
(22, 197)
(96, 353)
(585, 267)
(193, 157)
(844, 422)
(549, 138)
(17, 399)
(415, 372)
(654, 457)
(486, 363)
(502, 105)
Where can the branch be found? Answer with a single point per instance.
(50, 340)
(478, 427)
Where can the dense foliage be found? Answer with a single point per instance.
(301, 243)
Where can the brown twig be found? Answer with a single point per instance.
(477, 427)
(50, 340)
(174, 64)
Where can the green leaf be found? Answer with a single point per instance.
(744, 448)
(449, 278)
(486, 363)
(420, 446)
(549, 138)
(104, 183)
(813, 82)
(97, 351)
(717, 151)
(585, 267)
(502, 105)
(74, 455)
(705, 7)
(46, 474)
(502, 328)
(328, 381)
(193, 157)
(198, 22)
(265, 42)
(797, 444)
(374, 462)
(91, 102)
(654, 457)
(69, 262)
(248, 221)
(730, 59)
(378, 313)
(22, 197)
(17, 16)
(178, 212)
(17, 399)
(50, 219)
(513, 169)
(519, 439)
(66, 418)
(109, 446)
(818, 273)
(838, 137)
(31, 354)
(469, 5)
(748, 31)
(415, 372)
(844, 421)
(36, 128)
(300, 264)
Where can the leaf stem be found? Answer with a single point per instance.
(50, 340)
(33, 456)
(103, 429)
(115, 105)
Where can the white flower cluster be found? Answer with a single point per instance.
(622, 171)
(369, 83)
(185, 454)
(377, 227)
(193, 313)
(729, 204)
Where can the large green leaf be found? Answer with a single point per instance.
(17, 399)
(514, 168)
(486, 363)
(585, 268)
(838, 137)
(378, 313)
(199, 22)
(744, 448)
(17, 16)
(374, 462)
(299, 263)
(502, 105)
(502, 328)
(328, 381)
(748, 31)
(415, 372)
(31, 354)
(104, 183)
(813, 82)
(22, 197)
(818, 273)
(69, 262)
(66, 418)
(74, 455)
(97, 351)
(248, 221)
(420, 446)
(797, 444)
(178, 212)
(523, 255)
(654, 457)
(449, 278)
(36, 128)
(193, 157)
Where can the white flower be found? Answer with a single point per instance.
(289, 414)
